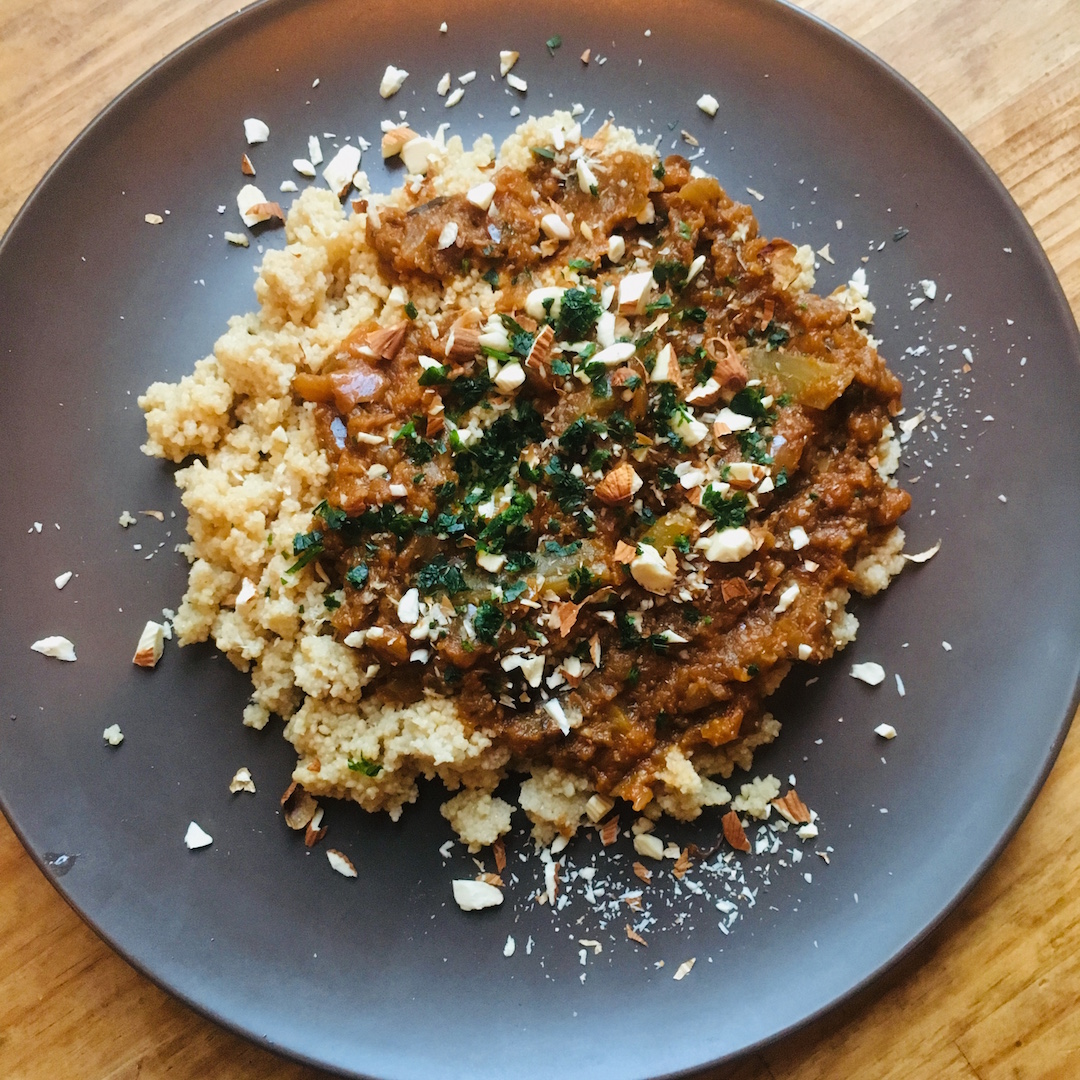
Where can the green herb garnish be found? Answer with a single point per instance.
(578, 312)
(308, 546)
(440, 575)
(368, 768)
(487, 622)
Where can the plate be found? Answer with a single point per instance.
(383, 976)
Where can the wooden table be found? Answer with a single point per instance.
(996, 992)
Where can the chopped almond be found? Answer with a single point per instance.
(433, 410)
(634, 936)
(540, 351)
(633, 901)
(151, 645)
(767, 313)
(463, 341)
(730, 371)
(242, 781)
(387, 340)
(598, 806)
(619, 486)
(394, 139)
(624, 552)
(313, 833)
(734, 589)
(246, 167)
(595, 143)
(682, 863)
(585, 56)
(793, 808)
(707, 394)
(265, 211)
(490, 879)
(734, 833)
(643, 872)
(299, 806)
(609, 831)
(498, 849)
(341, 863)
(567, 614)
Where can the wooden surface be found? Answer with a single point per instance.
(996, 993)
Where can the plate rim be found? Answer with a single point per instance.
(826, 32)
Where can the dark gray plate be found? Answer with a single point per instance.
(384, 976)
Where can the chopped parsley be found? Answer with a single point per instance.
(581, 580)
(569, 490)
(544, 152)
(308, 546)
(492, 278)
(519, 561)
(368, 768)
(487, 622)
(417, 450)
(580, 264)
(553, 43)
(334, 516)
(358, 575)
(440, 575)
(553, 547)
(752, 445)
(727, 512)
(666, 477)
(748, 402)
(578, 312)
(670, 270)
(487, 462)
(512, 591)
(521, 341)
(410, 310)
(774, 335)
(432, 376)
(508, 524)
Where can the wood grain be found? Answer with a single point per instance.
(995, 993)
